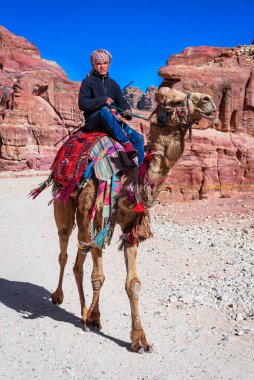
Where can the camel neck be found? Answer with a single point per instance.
(167, 148)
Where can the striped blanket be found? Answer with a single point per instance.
(79, 158)
(107, 160)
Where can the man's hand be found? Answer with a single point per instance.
(127, 115)
(109, 101)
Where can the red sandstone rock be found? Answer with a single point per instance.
(38, 105)
(219, 161)
(133, 95)
(139, 100)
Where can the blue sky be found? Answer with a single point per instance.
(140, 35)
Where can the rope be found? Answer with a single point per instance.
(132, 114)
(146, 203)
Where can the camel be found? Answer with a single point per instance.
(169, 123)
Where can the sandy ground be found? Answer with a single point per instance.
(196, 299)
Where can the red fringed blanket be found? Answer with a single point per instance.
(72, 158)
(70, 163)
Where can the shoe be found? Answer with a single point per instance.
(131, 152)
(128, 147)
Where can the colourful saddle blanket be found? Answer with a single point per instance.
(108, 157)
(81, 156)
(78, 158)
(72, 158)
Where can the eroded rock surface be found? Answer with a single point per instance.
(141, 100)
(220, 159)
(38, 106)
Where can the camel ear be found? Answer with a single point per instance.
(194, 97)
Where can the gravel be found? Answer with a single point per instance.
(196, 298)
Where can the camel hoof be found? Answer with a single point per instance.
(93, 320)
(86, 329)
(139, 343)
(56, 298)
(95, 325)
(150, 349)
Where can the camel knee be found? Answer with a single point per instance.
(97, 282)
(62, 258)
(77, 269)
(132, 287)
(64, 234)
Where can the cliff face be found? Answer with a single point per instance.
(140, 100)
(38, 105)
(220, 159)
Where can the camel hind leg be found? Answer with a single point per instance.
(79, 274)
(97, 279)
(64, 218)
(90, 317)
(83, 223)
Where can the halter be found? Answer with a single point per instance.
(183, 114)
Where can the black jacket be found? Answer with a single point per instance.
(94, 91)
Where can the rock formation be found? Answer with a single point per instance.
(220, 159)
(147, 101)
(139, 100)
(133, 96)
(38, 106)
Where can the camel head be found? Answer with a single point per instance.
(176, 108)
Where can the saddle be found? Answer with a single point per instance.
(82, 155)
(78, 159)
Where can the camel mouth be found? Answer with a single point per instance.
(209, 115)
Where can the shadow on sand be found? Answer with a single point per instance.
(34, 301)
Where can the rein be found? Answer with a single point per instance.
(149, 185)
(122, 110)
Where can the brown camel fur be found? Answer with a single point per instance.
(169, 123)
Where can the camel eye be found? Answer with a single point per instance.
(178, 103)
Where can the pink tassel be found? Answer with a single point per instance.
(131, 193)
(42, 186)
(142, 169)
(66, 192)
(35, 192)
(145, 163)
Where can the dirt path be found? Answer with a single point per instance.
(197, 298)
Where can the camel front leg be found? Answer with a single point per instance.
(132, 287)
(97, 279)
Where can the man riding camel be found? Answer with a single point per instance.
(97, 93)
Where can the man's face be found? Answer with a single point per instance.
(102, 67)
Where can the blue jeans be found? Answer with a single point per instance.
(122, 133)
